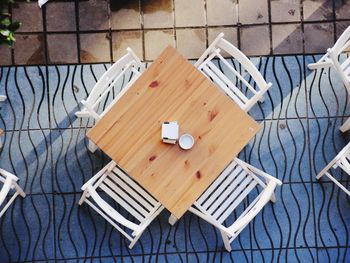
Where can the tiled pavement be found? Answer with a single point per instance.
(90, 31)
(45, 146)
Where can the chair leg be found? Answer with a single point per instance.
(172, 219)
(83, 197)
(92, 147)
(262, 99)
(19, 190)
(226, 240)
(273, 198)
(345, 126)
(133, 242)
(2, 98)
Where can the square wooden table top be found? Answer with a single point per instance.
(172, 89)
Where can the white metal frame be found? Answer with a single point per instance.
(230, 189)
(9, 182)
(128, 194)
(206, 65)
(331, 59)
(342, 161)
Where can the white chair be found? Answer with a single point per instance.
(229, 190)
(231, 81)
(9, 182)
(121, 75)
(121, 189)
(342, 161)
(331, 59)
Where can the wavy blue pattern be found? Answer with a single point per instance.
(45, 146)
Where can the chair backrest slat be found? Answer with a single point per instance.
(121, 198)
(233, 205)
(230, 185)
(135, 186)
(130, 189)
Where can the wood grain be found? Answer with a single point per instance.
(173, 90)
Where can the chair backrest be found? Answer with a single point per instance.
(127, 193)
(342, 159)
(119, 77)
(236, 82)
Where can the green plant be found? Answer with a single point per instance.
(7, 26)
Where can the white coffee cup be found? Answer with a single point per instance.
(186, 141)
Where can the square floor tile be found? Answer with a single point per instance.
(158, 14)
(317, 10)
(93, 15)
(29, 49)
(327, 96)
(81, 232)
(285, 11)
(60, 16)
(222, 12)
(255, 40)
(62, 48)
(191, 43)
(286, 98)
(27, 154)
(122, 40)
(26, 105)
(125, 14)
(221, 256)
(318, 37)
(73, 163)
(29, 14)
(5, 58)
(287, 223)
(326, 141)
(281, 149)
(230, 34)
(189, 13)
(95, 47)
(157, 41)
(332, 219)
(333, 254)
(342, 8)
(68, 85)
(202, 236)
(287, 39)
(27, 232)
(340, 28)
(253, 12)
(291, 255)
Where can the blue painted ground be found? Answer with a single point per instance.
(45, 147)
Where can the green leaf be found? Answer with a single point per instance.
(5, 32)
(5, 22)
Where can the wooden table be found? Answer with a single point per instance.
(171, 89)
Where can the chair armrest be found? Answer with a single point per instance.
(5, 189)
(110, 210)
(243, 221)
(9, 175)
(258, 171)
(92, 180)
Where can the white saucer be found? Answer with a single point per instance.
(186, 141)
